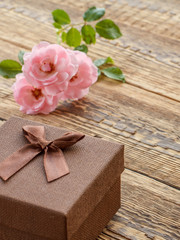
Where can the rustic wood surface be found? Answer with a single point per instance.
(143, 114)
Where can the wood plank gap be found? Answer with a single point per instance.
(156, 179)
(15, 43)
(151, 91)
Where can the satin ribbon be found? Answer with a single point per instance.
(54, 162)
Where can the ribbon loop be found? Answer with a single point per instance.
(35, 131)
(68, 139)
(54, 161)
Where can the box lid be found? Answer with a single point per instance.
(56, 210)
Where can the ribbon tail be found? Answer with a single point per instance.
(55, 164)
(17, 160)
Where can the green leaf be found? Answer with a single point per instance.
(99, 72)
(88, 34)
(108, 29)
(61, 17)
(109, 60)
(20, 56)
(9, 68)
(73, 38)
(93, 14)
(82, 48)
(99, 62)
(63, 36)
(57, 25)
(114, 73)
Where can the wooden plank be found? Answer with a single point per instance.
(126, 115)
(148, 44)
(142, 66)
(142, 72)
(152, 17)
(132, 8)
(150, 210)
(168, 54)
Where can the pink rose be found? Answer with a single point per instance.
(49, 66)
(33, 100)
(86, 75)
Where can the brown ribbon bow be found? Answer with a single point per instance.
(54, 162)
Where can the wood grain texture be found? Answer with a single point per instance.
(142, 57)
(151, 134)
(150, 210)
(143, 114)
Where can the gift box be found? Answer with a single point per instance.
(76, 206)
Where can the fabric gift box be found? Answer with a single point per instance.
(76, 206)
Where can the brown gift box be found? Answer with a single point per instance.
(75, 207)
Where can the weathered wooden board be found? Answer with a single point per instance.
(144, 113)
(150, 210)
(142, 58)
(150, 133)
